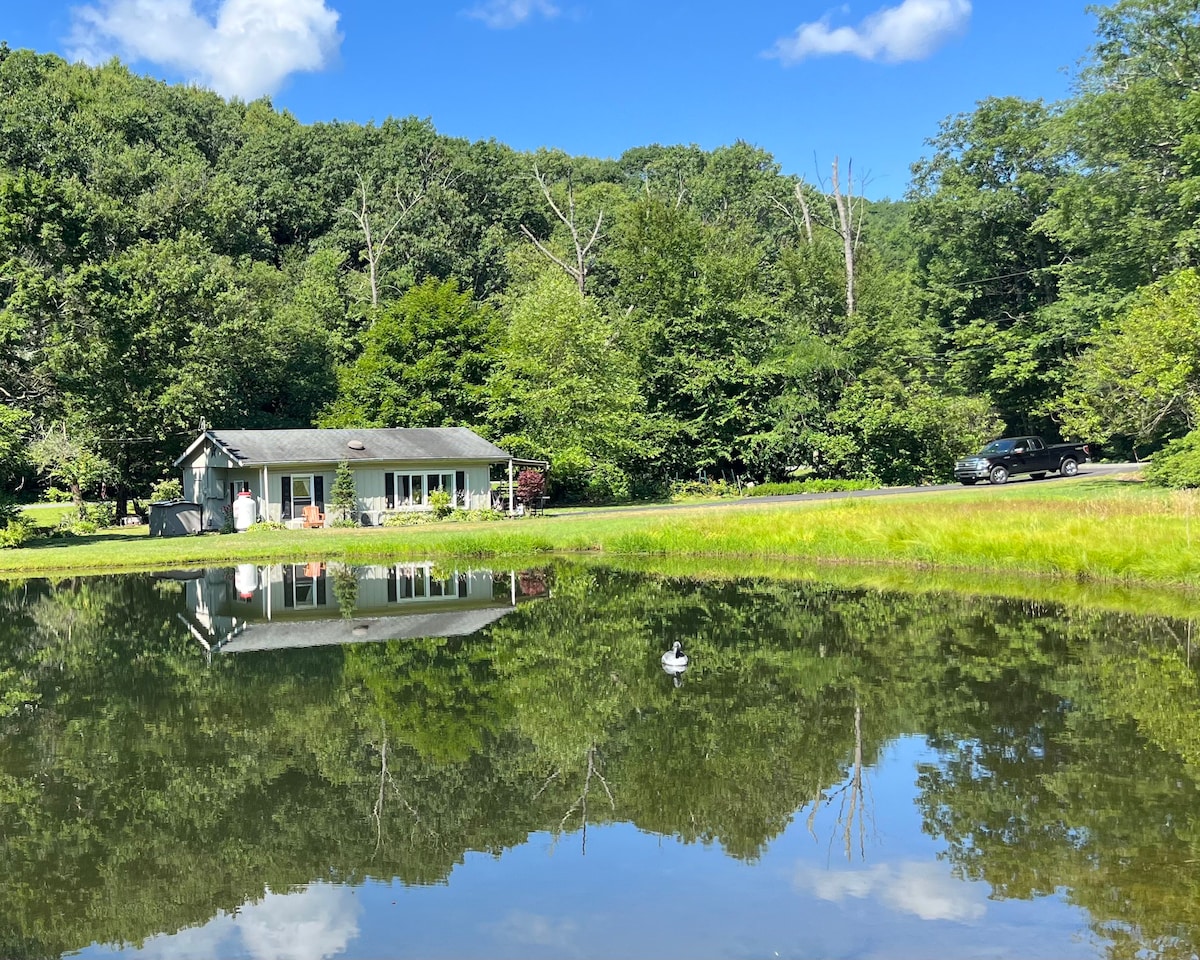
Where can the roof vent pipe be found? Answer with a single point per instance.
(356, 445)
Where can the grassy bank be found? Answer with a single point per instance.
(1139, 599)
(1103, 530)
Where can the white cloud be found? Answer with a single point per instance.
(929, 892)
(537, 930)
(217, 938)
(315, 923)
(246, 48)
(925, 890)
(911, 31)
(500, 14)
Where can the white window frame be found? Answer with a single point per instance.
(425, 586)
(445, 482)
(234, 487)
(300, 578)
(298, 511)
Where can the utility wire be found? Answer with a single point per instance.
(165, 436)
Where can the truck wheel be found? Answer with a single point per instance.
(1068, 468)
(998, 475)
(1040, 475)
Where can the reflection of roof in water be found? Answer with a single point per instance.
(285, 634)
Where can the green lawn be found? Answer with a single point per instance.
(1103, 530)
(47, 514)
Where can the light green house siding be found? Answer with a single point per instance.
(369, 485)
(221, 465)
(207, 480)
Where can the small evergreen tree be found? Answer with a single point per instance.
(345, 588)
(344, 495)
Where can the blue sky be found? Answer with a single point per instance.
(868, 80)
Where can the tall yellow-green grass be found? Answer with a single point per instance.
(1100, 530)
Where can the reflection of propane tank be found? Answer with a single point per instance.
(243, 511)
(245, 580)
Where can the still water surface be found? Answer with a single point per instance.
(312, 761)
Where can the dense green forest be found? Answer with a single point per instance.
(168, 256)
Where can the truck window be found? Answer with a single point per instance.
(1035, 444)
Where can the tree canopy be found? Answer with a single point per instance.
(167, 256)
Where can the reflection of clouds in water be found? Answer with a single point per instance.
(315, 923)
(925, 890)
(538, 930)
(210, 940)
(932, 894)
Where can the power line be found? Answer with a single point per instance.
(165, 436)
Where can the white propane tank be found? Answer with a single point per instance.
(245, 580)
(244, 511)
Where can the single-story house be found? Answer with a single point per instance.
(395, 469)
(281, 606)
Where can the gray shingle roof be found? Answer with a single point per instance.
(330, 446)
(315, 633)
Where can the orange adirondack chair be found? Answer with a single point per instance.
(313, 517)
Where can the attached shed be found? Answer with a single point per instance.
(395, 469)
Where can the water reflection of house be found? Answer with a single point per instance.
(237, 610)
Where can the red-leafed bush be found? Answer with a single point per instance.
(531, 486)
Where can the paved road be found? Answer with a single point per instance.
(1085, 471)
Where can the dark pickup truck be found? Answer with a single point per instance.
(1002, 459)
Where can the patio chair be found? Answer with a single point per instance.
(313, 517)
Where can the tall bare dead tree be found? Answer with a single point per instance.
(805, 220)
(581, 802)
(385, 780)
(849, 226)
(377, 237)
(384, 776)
(852, 809)
(378, 229)
(578, 270)
(843, 216)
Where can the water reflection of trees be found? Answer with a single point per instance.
(1068, 753)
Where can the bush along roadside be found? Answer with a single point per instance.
(1178, 464)
(812, 485)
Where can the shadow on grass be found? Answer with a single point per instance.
(83, 540)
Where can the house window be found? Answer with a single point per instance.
(236, 487)
(298, 492)
(304, 585)
(413, 489)
(302, 493)
(417, 582)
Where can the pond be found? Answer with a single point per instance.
(316, 761)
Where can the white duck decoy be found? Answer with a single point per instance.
(675, 658)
